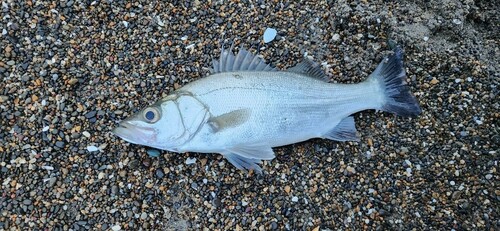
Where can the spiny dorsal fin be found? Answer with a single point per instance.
(309, 68)
(243, 61)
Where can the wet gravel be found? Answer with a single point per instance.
(70, 70)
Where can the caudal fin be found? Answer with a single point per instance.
(390, 75)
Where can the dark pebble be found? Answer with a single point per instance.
(90, 114)
(159, 173)
(60, 144)
(153, 152)
(274, 225)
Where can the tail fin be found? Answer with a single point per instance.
(390, 74)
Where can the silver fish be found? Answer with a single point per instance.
(245, 107)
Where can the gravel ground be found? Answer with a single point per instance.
(70, 70)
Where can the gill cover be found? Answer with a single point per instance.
(184, 115)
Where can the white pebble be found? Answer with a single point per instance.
(269, 35)
(101, 175)
(205, 181)
(159, 21)
(408, 171)
(336, 37)
(452, 183)
(86, 134)
(426, 38)
(295, 199)
(488, 176)
(92, 148)
(116, 228)
(125, 23)
(46, 167)
(244, 203)
(46, 128)
(190, 161)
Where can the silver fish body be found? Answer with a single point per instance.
(246, 107)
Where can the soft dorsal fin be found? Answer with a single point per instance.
(243, 61)
(309, 68)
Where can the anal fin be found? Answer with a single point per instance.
(344, 131)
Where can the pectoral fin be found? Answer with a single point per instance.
(344, 131)
(228, 120)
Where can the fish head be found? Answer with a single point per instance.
(159, 125)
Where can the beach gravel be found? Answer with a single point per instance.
(71, 70)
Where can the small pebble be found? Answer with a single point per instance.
(90, 114)
(434, 81)
(190, 161)
(153, 152)
(60, 144)
(269, 35)
(159, 173)
(92, 148)
(86, 134)
(336, 37)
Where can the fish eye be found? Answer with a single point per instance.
(151, 114)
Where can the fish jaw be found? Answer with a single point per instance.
(134, 133)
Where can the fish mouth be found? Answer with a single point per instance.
(133, 133)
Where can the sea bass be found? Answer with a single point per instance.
(245, 107)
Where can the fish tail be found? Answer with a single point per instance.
(391, 77)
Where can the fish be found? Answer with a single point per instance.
(245, 107)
